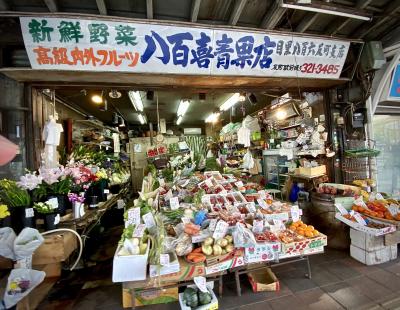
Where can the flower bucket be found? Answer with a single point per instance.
(93, 202)
(51, 221)
(22, 217)
(78, 209)
(5, 222)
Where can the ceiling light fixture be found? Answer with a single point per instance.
(326, 10)
(230, 102)
(136, 100)
(242, 97)
(97, 99)
(142, 119)
(281, 114)
(115, 94)
(212, 118)
(179, 120)
(183, 107)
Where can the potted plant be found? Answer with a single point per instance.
(5, 216)
(49, 213)
(19, 201)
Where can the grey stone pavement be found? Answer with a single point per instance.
(338, 282)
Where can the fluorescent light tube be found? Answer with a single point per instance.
(230, 102)
(183, 106)
(179, 120)
(324, 11)
(212, 118)
(136, 100)
(142, 119)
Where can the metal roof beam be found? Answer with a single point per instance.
(101, 5)
(273, 16)
(237, 11)
(194, 13)
(307, 22)
(392, 8)
(149, 9)
(51, 5)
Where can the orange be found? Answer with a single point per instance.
(303, 226)
(300, 231)
(315, 233)
(292, 227)
(309, 234)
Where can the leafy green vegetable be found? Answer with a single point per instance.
(190, 297)
(204, 298)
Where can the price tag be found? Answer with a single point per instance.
(258, 226)
(262, 194)
(106, 191)
(279, 224)
(341, 209)
(57, 219)
(209, 183)
(201, 283)
(262, 203)
(359, 219)
(393, 209)
(120, 203)
(53, 202)
(134, 216)
(251, 206)
(274, 228)
(29, 212)
(379, 196)
(174, 203)
(212, 225)
(139, 231)
(220, 230)
(164, 259)
(206, 200)
(186, 220)
(168, 195)
(148, 220)
(239, 184)
(161, 181)
(295, 214)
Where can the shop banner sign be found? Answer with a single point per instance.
(394, 91)
(90, 45)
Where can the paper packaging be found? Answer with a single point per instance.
(263, 252)
(228, 264)
(130, 267)
(263, 280)
(143, 298)
(173, 267)
(213, 305)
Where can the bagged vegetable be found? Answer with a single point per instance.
(183, 245)
(7, 237)
(27, 242)
(243, 237)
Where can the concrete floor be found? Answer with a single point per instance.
(338, 282)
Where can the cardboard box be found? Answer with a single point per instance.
(187, 272)
(212, 260)
(130, 267)
(213, 305)
(372, 231)
(310, 172)
(263, 280)
(173, 267)
(381, 256)
(312, 251)
(308, 243)
(263, 252)
(232, 263)
(366, 241)
(144, 298)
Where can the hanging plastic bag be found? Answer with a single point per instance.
(7, 237)
(243, 237)
(248, 160)
(27, 242)
(20, 283)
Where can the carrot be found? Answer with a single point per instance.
(199, 259)
(192, 255)
(197, 250)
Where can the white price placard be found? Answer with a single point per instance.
(134, 216)
(262, 194)
(393, 209)
(239, 184)
(57, 219)
(164, 259)
(213, 224)
(148, 220)
(279, 224)
(161, 181)
(29, 212)
(186, 220)
(295, 213)
(201, 283)
(341, 209)
(209, 183)
(251, 206)
(220, 230)
(262, 203)
(174, 203)
(53, 202)
(357, 216)
(106, 191)
(139, 231)
(120, 203)
(258, 226)
(206, 200)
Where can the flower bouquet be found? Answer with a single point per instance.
(50, 214)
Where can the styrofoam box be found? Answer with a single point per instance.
(383, 255)
(366, 241)
(130, 267)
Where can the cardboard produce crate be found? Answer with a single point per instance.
(186, 272)
(144, 298)
(371, 231)
(313, 171)
(262, 252)
(228, 264)
(263, 280)
(380, 256)
(301, 246)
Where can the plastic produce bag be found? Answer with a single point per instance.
(243, 237)
(20, 283)
(27, 242)
(7, 237)
(248, 160)
(183, 245)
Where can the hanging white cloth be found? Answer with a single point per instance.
(244, 136)
(51, 136)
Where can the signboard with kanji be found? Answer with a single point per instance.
(90, 45)
(394, 90)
